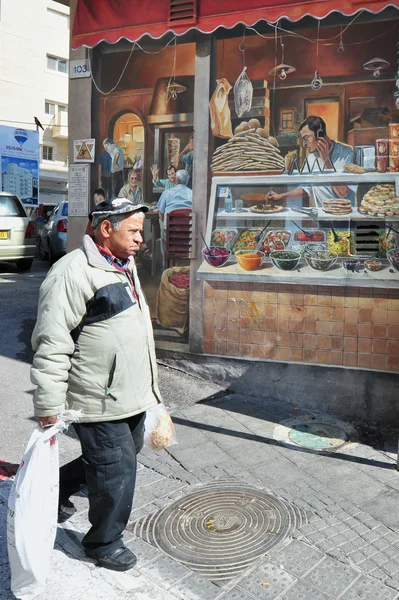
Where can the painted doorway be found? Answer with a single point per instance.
(128, 134)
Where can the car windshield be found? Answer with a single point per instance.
(65, 210)
(10, 206)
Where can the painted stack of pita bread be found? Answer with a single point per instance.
(337, 206)
(248, 150)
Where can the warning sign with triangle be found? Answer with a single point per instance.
(84, 150)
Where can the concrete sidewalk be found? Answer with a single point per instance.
(268, 473)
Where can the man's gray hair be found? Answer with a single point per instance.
(182, 176)
(115, 220)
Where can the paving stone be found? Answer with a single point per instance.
(210, 455)
(144, 552)
(379, 558)
(146, 477)
(391, 567)
(356, 557)
(391, 552)
(165, 571)
(296, 558)
(358, 543)
(360, 528)
(331, 576)
(368, 589)
(277, 579)
(195, 587)
(164, 487)
(370, 536)
(316, 537)
(303, 591)
(234, 594)
(379, 573)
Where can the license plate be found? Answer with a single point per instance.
(3, 235)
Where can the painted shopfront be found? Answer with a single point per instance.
(268, 153)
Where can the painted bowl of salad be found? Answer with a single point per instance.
(286, 260)
(222, 237)
(275, 239)
(321, 260)
(215, 256)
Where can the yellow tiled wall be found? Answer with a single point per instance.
(354, 327)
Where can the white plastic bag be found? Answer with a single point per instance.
(243, 92)
(159, 431)
(33, 510)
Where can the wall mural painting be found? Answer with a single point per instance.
(274, 115)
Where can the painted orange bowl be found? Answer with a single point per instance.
(250, 261)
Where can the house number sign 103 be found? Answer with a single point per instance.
(79, 68)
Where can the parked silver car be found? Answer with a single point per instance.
(17, 232)
(53, 238)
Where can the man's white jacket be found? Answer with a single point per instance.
(93, 343)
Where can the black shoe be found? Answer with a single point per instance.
(65, 511)
(120, 559)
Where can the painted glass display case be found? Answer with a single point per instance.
(325, 229)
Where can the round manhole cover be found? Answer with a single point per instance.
(317, 436)
(317, 433)
(221, 529)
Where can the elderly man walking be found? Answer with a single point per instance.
(94, 351)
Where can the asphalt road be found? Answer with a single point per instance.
(19, 294)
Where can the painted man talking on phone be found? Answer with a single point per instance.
(323, 153)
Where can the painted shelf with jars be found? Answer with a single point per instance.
(319, 229)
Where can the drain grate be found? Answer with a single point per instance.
(221, 529)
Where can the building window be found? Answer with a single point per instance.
(57, 20)
(48, 153)
(52, 108)
(57, 64)
(287, 120)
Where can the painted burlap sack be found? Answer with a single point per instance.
(173, 301)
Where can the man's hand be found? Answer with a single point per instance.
(274, 197)
(155, 173)
(324, 148)
(44, 421)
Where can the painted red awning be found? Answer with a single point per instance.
(112, 20)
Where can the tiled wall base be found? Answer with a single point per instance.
(353, 327)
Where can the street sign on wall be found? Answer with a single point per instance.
(78, 191)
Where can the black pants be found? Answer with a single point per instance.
(117, 183)
(106, 184)
(108, 467)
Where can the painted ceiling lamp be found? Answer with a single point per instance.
(173, 88)
(317, 82)
(282, 70)
(376, 65)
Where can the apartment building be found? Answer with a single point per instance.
(34, 51)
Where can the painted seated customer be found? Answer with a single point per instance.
(179, 196)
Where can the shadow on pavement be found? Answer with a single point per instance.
(266, 440)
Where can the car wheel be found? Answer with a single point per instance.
(24, 264)
(42, 253)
